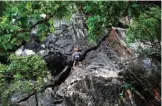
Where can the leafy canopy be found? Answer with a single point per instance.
(99, 15)
(22, 75)
(146, 29)
(26, 14)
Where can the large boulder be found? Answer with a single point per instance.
(89, 88)
(97, 83)
(58, 47)
(68, 34)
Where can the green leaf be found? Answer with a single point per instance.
(13, 41)
(51, 29)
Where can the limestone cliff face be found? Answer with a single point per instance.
(98, 81)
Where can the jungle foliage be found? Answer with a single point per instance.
(22, 75)
(16, 75)
(99, 15)
(146, 29)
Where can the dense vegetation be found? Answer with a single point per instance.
(18, 75)
(146, 29)
(98, 15)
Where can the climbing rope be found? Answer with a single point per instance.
(142, 83)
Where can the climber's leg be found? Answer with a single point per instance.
(80, 64)
(74, 64)
(130, 96)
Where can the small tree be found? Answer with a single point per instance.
(24, 74)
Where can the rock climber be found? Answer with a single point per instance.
(157, 95)
(127, 92)
(76, 57)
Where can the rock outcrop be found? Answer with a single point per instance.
(68, 34)
(89, 87)
(98, 82)
(57, 48)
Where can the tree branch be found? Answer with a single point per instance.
(151, 15)
(5, 76)
(147, 7)
(41, 21)
(29, 29)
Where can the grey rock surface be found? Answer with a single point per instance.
(58, 47)
(44, 99)
(89, 88)
(97, 83)
(68, 34)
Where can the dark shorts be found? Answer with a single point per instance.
(77, 59)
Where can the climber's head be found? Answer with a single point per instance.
(77, 49)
